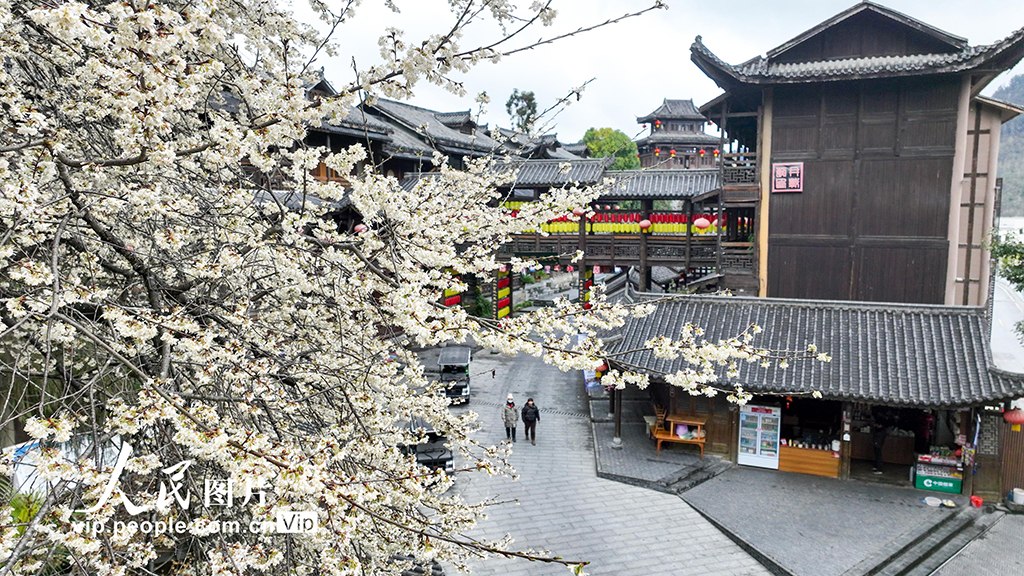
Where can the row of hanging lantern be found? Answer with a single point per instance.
(672, 153)
(635, 223)
(613, 222)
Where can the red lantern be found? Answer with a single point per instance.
(701, 223)
(597, 269)
(1015, 416)
(645, 224)
(616, 206)
(360, 228)
(607, 207)
(579, 211)
(672, 153)
(716, 152)
(587, 306)
(657, 151)
(569, 268)
(602, 368)
(701, 152)
(657, 122)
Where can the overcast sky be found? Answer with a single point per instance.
(638, 62)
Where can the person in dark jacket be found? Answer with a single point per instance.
(510, 416)
(531, 415)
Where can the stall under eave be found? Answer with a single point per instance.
(934, 413)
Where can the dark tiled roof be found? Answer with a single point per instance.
(660, 275)
(577, 148)
(895, 354)
(358, 123)
(673, 110)
(453, 119)
(681, 138)
(544, 173)
(434, 129)
(293, 200)
(545, 146)
(539, 173)
(662, 183)
(767, 70)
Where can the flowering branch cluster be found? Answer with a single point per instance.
(168, 325)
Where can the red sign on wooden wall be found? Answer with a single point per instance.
(787, 177)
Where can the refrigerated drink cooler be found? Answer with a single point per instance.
(759, 436)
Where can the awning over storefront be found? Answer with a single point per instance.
(893, 354)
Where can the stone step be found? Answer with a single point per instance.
(931, 548)
(943, 551)
(694, 475)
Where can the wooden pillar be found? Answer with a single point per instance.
(617, 440)
(845, 446)
(721, 188)
(689, 233)
(645, 270)
(967, 425)
(582, 271)
(764, 158)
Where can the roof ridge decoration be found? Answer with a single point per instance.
(673, 109)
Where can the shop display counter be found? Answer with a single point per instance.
(938, 474)
(809, 461)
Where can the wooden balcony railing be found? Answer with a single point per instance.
(740, 168)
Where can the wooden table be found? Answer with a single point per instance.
(669, 434)
(676, 419)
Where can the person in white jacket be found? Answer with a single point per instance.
(510, 415)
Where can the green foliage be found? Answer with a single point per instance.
(605, 142)
(24, 508)
(522, 109)
(1011, 150)
(527, 279)
(1008, 250)
(483, 307)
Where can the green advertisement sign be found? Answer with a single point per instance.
(950, 485)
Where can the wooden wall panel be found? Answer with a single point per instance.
(816, 272)
(900, 197)
(872, 220)
(823, 209)
(864, 34)
(891, 273)
(1012, 446)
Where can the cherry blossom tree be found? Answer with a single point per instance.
(169, 326)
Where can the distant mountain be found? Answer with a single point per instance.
(1011, 150)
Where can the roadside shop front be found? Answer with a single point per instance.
(914, 379)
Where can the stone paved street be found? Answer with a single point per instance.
(561, 504)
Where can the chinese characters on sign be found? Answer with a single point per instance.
(787, 177)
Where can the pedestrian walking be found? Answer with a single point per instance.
(510, 415)
(531, 415)
(878, 435)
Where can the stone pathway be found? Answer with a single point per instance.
(559, 504)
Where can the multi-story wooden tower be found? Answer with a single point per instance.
(876, 157)
(677, 139)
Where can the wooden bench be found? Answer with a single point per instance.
(662, 435)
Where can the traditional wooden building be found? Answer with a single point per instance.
(677, 139)
(875, 157)
(927, 368)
